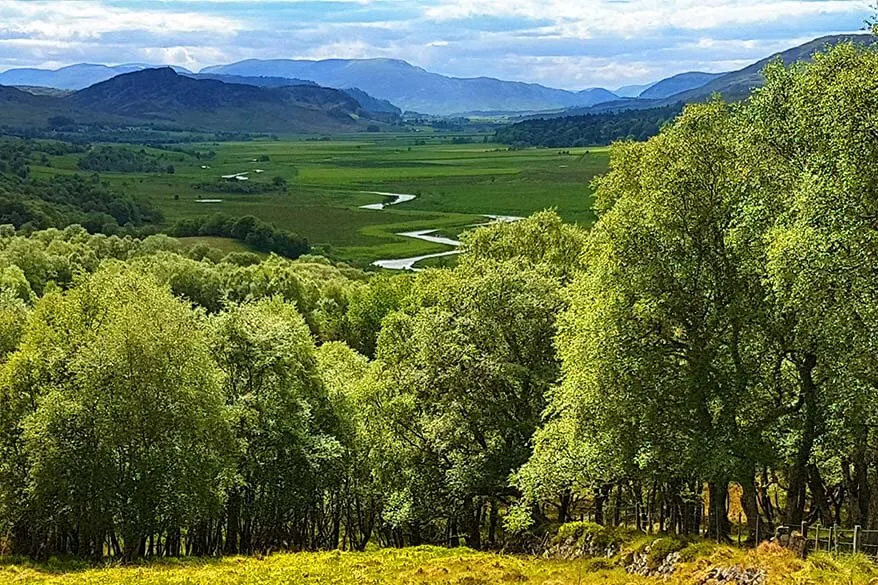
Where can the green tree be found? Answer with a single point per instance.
(118, 417)
(285, 426)
(457, 393)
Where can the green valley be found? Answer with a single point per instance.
(457, 179)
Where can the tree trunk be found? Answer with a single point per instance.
(819, 498)
(856, 480)
(718, 513)
(600, 498)
(474, 523)
(750, 505)
(492, 524)
(796, 493)
(564, 508)
(233, 519)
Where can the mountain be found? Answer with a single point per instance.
(368, 103)
(165, 97)
(77, 76)
(738, 84)
(372, 104)
(732, 86)
(415, 89)
(257, 81)
(677, 84)
(50, 91)
(20, 109)
(632, 91)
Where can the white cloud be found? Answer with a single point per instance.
(569, 43)
(91, 19)
(586, 18)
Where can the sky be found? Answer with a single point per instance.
(573, 44)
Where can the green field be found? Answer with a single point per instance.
(428, 565)
(454, 184)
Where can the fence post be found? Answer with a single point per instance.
(804, 530)
(833, 539)
(856, 539)
(739, 529)
(757, 530)
(817, 537)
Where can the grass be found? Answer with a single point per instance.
(411, 566)
(433, 565)
(328, 181)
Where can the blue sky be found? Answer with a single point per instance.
(562, 43)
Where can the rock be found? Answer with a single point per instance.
(734, 576)
(640, 565)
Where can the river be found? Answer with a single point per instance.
(424, 235)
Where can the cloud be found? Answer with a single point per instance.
(565, 43)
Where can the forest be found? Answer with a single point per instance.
(588, 129)
(712, 333)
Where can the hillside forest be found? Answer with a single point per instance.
(714, 329)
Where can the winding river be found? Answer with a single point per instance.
(424, 235)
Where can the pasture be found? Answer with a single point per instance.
(328, 181)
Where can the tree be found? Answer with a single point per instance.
(661, 342)
(812, 136)
(285, 426)
(118, 419)
(457, 391)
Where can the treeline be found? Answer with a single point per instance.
(714, 329)
(589, 129)
(84, 134)
(17, 154)
(262, 236)
(121, 160)
(242, 187)
(35, 204)
(62, 200)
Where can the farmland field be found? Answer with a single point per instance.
(329, 180)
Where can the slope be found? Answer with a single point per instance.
(415, 89)
(164, 97)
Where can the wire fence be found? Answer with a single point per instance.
(832, 539)
(692, 519)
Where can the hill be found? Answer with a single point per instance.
(257, 81)
(367, 102)
(677, 84)
(732, 86)
(589, 129)
(74, 77)
(19, 108)
(632, 91)
(372, 104)
(737, 85)
(166, 97)
(415, 89)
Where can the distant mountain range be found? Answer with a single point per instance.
(72, 77)
(164, 98)
(415, 89)
(299, 96)
(677, 84)
(732, 86)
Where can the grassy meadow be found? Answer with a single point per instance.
(433, 565)
(455, 184)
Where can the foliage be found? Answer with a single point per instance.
(120, 160)
(715, 328)
(589, 129)
(258, 234)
